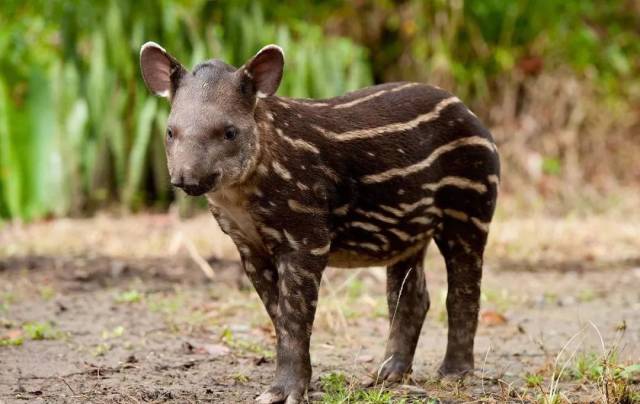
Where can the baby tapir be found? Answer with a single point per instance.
(368, 178)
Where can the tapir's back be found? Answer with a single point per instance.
(404, 158)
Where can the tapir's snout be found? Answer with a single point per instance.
(186, 180)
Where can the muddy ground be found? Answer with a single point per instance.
(119, 309)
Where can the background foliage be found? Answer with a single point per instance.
(558, 82)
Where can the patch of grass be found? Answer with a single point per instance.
(550, 297)
(355, 288)
(165, 304)
(376, 396)
(11, 341)
(380, 310)
(117, 332)
(587, 366)
(500, 299)
(614, 379)
(240, 378)
(129, 296)
(41, 330)
(47, 292)
(335, 388)
(6, 300)
(101, 349)
(243, 345)
(554, 398)
(586, 295)
(630, 371)
(338, 390)
(533, 380)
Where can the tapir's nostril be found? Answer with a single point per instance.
(177, 181)
(184, 178)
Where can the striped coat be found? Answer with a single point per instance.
(365, 179)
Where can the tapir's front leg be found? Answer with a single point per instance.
(264, 277)
(299, 275)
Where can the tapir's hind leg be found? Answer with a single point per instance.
(408, 302)
(462, 245)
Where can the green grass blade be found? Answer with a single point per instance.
(139, 151)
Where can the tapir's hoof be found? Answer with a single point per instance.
(278, 394)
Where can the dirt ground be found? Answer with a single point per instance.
(119, 309)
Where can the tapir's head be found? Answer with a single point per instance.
(211, 137)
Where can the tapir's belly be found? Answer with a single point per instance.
(382, 233)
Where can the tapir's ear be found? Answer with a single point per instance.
(265, 70)
(161, 71)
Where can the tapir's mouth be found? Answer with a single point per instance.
(204, 186)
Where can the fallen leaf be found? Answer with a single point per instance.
(364, 359)
(213, 349)
(12, 334)
(492, 318)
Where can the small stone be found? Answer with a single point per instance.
(364, 359)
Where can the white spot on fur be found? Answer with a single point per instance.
(400, 234)
(376, 215)
(393, 127)
(420, 220)
(321, 250)
(262, 169)
(453, 145)
(392, 210)
(456, 214)
(249, 268)
(298, 143)
(292, 241)
(364, 226)
(434, 211)
(341, 210)
(281, 171)
(368, 246)
(458, 182)
(300, 208)
(373, 95)
(409, 207)
(273, 233)
(480, 224)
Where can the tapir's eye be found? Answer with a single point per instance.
(169, 133)
(230, 132)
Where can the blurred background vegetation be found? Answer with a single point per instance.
(558, 82)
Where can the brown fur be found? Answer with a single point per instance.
(368, 178)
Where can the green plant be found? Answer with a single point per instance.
(47, 292)
(587, 366)
(533, 380)
(337, 389)
(117, 332)
(78, 130)
(101, 349)
(11, 341)
(40, 331)
(129, 296)
(243, 345)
